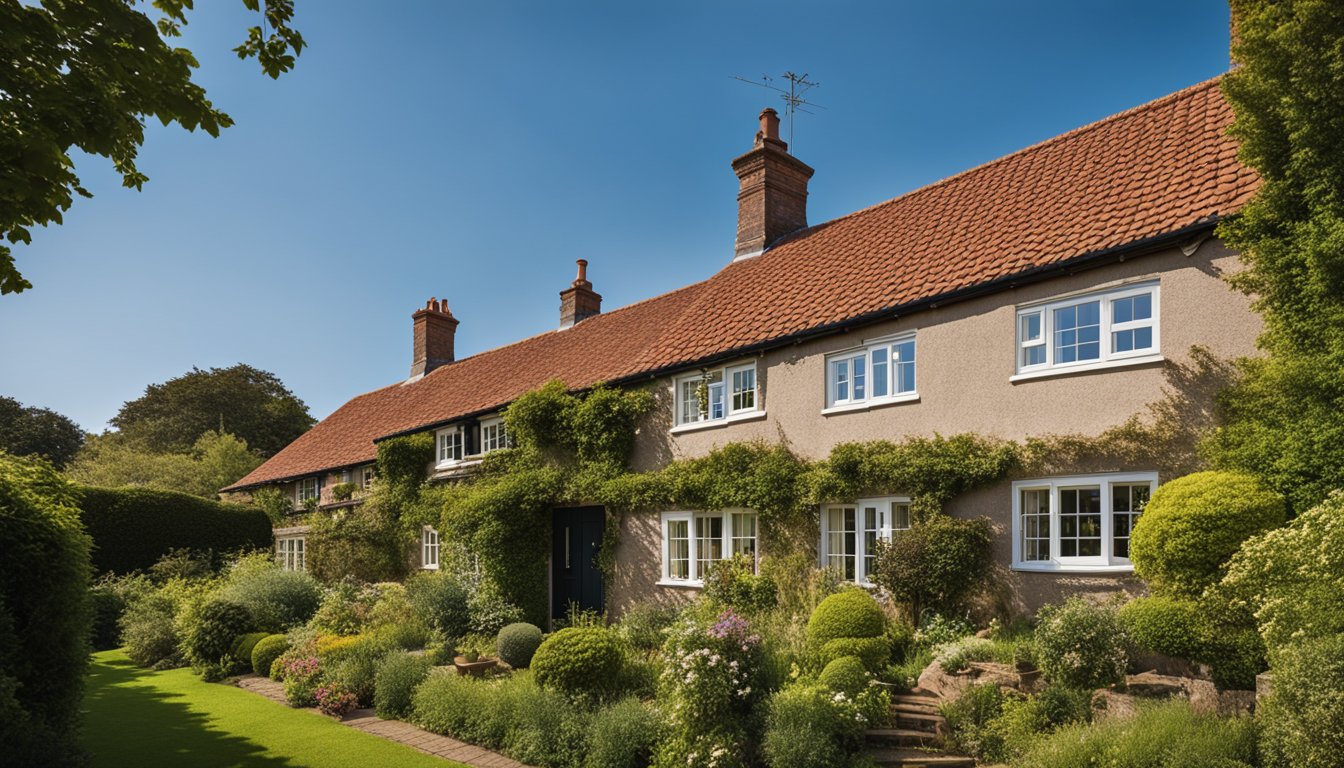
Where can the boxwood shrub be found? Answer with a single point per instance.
(266, 651)
(517, 643)
(874, 652)
(578, 662)
(245, 645)
(209, 633)
(847, 674)
(133, 527)
(1163, 625)
(851, 613)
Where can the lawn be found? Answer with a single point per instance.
(144, 718)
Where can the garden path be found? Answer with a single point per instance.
(395, 730)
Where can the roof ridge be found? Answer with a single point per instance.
(1071, 133)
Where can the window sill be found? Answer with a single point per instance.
(429, 567)
(736, 418)
(1065, 370)
(912, 397)
(1058, 568)
(685, 584)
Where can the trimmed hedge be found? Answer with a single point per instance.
(578, 662)
(45, 618)
(1163, 625)
(266, 651)
(517, 643)
(852, 613)
(847, 674)
(133, 527)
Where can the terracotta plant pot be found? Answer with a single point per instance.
(476, 668)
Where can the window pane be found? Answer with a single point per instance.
(1031, 327)
(744, 389)
(1033, 355)
(840, 540)
(879, 383)
(900, 517)
(841, 378)
(1077, 332)
(904, 353)
(1035, 524)
(716, 403)
(859, 367)
(744, 534)
(1127, 503)
(708, 543)
(871, 530)
(1080, 522)
(678, 549)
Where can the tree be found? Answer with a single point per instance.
(215, 461)
(1285, 418)
(243, 401)
(85, 75)
(34, 431)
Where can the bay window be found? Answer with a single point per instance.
(1078, 523)
(694, 541)
(1089, 331)
(850, 532)
(716, 395)
(882, 372)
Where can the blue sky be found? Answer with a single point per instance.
(473, 151)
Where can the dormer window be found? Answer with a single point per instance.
(718, 394)
(494, 435)
(366, 478)
(452, 445)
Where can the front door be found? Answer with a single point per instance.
(576, 538)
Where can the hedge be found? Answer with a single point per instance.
(133, 527)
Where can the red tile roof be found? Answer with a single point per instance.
(1155, 169)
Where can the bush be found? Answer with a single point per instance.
(477, 711)
(847, 674)
(335, 700)
(1234, 654)
(1081, 645)
(1194, 524)
(578, 662)
(547, 730)
(44, 613)
(1165, 735)
(874, 652)
(997, 728)
(278, 600)
(517, 643)
(394, 683)
(1302, 721)
(969, 717)
(133, 527)
(148, 630)
(809, 726)
(109, 598)
(851, 613)
(440, 601)
(734, 583)
(1162, 625)
(366, 543)
(957, 655)
(346, 608)
(209, 634)
(622, 736)
(302, 674)
(936, 564)
(354, 668)
(245, 645)
(266, 651)
(644, 626)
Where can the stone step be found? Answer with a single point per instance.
(913, 758)
(903, 737)
(920, 721)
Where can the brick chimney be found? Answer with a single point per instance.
(434, 328)
(579, 301)
(772, 199)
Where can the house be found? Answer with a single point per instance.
(1049, 291)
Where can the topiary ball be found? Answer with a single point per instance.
(243, 647)
(1194, 524)
(847, 674)
(266, 651)
(517, 643)
(1163, 625)
(578, 662)
(852, 613)
(873, 652)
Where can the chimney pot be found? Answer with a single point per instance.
(770, 124)
(433, 332)
(579, 301)
(772, 191)
(583, 271)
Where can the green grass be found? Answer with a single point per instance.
(143, 718)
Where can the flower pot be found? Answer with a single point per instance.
(474, 668)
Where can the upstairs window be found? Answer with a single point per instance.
(850, 532)
(451, 445)
(494, 435)
(1078, 523)
(429, 549)
(717, 395)
(307, 488)
(881, 372)
(694, 541)
(366, 478)
(1089, 331)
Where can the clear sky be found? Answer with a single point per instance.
(474, 150)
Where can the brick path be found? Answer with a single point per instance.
(395, 730)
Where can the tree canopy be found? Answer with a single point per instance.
(215, 461)
(85, 74)
(251, 404)
(1285, 418)
(34, 431)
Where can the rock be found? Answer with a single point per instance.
(1113, 705)
(1153, 685)
(1264, 684)
(1236, 703)
(948, 686)
(983, 634)
(1169, 665)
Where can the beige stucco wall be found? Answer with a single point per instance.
(966, 356)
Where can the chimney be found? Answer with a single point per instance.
(772, 199)
(579, 301)
(433, 329)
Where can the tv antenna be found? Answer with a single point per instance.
(793, 97)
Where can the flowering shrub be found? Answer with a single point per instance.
(1081, 644)
(335, 700)
(711, 681)
(810, 725)
(301, 674)
(939, 630)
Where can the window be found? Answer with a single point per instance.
(494, 435)
(307, 488)
(429, 549)
(450, 445)
(850, 532)
(366, 478)
(1077, 523)
(1094, 330)
(289, 553)
(716, 395)
(694, 541)
(881, 372)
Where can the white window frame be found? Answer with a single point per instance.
(442, 443)
(430, 548)
(727, 538)
(886, 524)
(1107, 358)
(680, 399)
(366, 478)
(290, 553)
(501, 438)
(851, 401)
(301, 490)
(1107, 561)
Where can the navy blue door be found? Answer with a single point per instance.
(575, 541)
